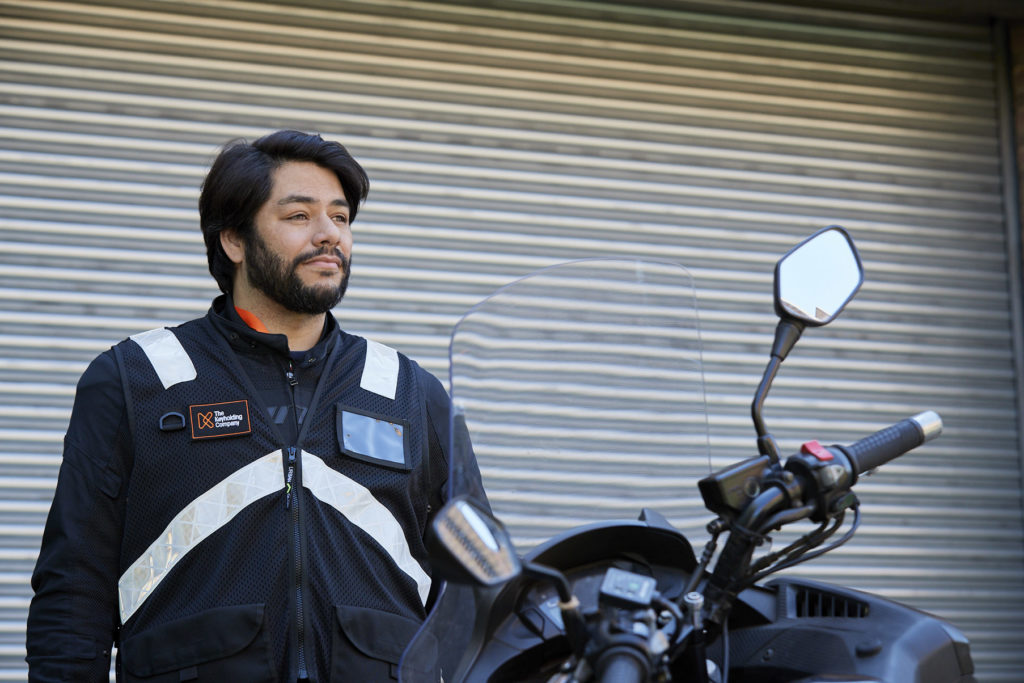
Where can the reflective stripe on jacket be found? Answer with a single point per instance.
(249, 556)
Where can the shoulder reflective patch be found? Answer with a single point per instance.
(360, 507)
(168, 357)
(380, 370)
(200, 518)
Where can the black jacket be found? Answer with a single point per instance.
(222, 605)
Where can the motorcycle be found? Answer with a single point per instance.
(600, 362)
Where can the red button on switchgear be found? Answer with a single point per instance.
(817, 450)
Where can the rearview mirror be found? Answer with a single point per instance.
(468, 545)
(818, 277)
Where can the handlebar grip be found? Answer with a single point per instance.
(892, 442)
(621, 665)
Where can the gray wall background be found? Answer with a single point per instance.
(508, 136)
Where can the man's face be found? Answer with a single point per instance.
(299, 253)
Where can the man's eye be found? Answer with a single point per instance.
(297, 217)
(342, 219)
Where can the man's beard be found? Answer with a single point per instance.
(268, 272)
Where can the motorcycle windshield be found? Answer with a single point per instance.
(579, 390)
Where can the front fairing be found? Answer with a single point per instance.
(578, 397)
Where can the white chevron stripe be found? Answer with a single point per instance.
(218, 506)
(200, 518)
(360, 507)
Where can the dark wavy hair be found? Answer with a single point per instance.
(240, 180)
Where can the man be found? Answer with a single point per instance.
(243, 497)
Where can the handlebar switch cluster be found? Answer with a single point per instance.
(626, 589)
(825, 477)
(843, 502)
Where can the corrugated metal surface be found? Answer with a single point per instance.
(578, 383)
(504, 138)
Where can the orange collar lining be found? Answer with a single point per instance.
(251, 320)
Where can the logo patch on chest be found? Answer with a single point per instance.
(214, 420)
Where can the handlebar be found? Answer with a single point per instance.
(892, 442)
(622, 665)
(816, 484)
(824, 476)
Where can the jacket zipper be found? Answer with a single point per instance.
(294, 486)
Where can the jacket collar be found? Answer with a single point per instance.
(244, 339)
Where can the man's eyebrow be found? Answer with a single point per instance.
(304, 199)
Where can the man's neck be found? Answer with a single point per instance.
(303, 330)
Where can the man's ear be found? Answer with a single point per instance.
(233, 245)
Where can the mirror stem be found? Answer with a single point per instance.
(787, 332)
(761, 394)
(766, 445)
(561, 583)
(572, 618)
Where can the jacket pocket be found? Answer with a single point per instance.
(220, 644)
(368, 644)
(376, 439)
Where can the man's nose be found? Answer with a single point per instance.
(330, 233)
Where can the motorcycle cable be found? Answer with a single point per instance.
(780, 519)
(807, 542)
(715, 528)
(725, 652)
(796, 548)
(669, 606)
(821, 551)
(804, 557)
(568, 604)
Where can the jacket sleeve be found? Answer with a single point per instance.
(454, 469)
(73, 617)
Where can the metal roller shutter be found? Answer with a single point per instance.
(506, 137)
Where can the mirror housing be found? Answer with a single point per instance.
(818, 277)
(813, 283)
(468, 545)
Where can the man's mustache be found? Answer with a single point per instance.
(322, 251)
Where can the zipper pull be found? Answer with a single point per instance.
(290, 374)
(288, 478)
